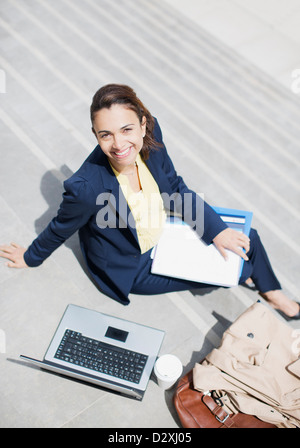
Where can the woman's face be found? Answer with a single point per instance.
(120, 135)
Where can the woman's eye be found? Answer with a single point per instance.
(127, 130)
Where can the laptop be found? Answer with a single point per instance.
(180, 253)
(104, 350)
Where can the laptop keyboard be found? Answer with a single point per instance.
(101, 357)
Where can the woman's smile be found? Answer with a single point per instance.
(124, 153)
(120, 135)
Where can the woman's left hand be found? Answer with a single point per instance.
(232, 240)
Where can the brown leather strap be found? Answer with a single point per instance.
(217, 410)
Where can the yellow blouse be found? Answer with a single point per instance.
(146, 206)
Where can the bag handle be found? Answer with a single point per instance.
(220, 414)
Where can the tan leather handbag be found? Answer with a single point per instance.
(198, 410)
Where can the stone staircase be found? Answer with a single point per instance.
(233, 134)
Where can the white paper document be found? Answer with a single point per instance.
(180, 253)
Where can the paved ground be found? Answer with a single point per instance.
(265, 32)
(233, 133)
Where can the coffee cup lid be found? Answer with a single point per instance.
(168, 365)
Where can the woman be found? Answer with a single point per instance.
(118, 201)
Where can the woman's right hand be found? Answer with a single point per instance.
(15, 254)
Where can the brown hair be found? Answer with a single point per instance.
(111, 94)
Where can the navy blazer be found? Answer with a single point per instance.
(93, 203)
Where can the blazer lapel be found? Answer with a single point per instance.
(159, 175)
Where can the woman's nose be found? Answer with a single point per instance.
(118, 141)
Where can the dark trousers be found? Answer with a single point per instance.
(258, 268)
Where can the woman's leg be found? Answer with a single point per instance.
(259, 267)
(147, 283)
(260, 270)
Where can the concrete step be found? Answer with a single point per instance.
(232, 132)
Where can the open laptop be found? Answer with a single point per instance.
(104, 350)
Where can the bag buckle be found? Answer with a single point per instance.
(223, 419)
(216, 401)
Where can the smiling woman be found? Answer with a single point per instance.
(120, 94)
(130, 177)
(120, 135)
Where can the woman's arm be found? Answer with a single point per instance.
(211, 228)
(195, 211)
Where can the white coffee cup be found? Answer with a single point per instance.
(167, 369)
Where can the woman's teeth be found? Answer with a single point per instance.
(122, 153)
